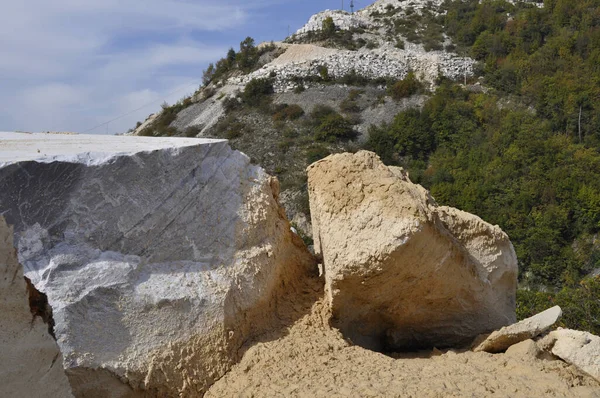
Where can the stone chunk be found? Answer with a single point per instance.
(528, 328)
(402, 272)
(30, 361)
(160, 257)
(581, 349)
(527, 349)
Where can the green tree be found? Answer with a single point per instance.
(208, 75)
(406, 87)
(231, 57)
(257, 91)
(334, 127)
(247, 57)
(328, 27)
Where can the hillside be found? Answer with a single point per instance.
(491, 105)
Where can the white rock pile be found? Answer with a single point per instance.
(343, 20)
(371, 64)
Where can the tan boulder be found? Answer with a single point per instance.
(30, 361)
(401, 271)
(528, 328)
(527, 349)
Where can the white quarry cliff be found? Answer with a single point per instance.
(158, 256)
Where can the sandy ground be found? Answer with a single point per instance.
(302, 53)
(310, 359)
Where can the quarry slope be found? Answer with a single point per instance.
(306, 71)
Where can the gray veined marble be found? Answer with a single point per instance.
(148, 250)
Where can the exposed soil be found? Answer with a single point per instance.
(311, 359)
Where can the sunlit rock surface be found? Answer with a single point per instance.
(400, 271)
(30, 364)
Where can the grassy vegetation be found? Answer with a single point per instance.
(161, 127)
(331, 36)
(350, 103)
(423, 27)
(330, 126)
(245, 60)
(406, 87)
(257, 91)
(287, 112)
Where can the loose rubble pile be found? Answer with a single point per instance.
(379, 63)
(581, 349)
(382, 6)
(371, 64)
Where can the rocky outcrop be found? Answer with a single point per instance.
(581, 349)
(384, 62)
(30, 364)
(382, 6)
(400, 271)
(528, 328)
(160, 257)
(343, 20)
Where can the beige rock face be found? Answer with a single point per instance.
(581, 349)
(526, 349)
(30, 361)
(402, 272)
(528, 328)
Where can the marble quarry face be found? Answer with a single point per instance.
(144, 243)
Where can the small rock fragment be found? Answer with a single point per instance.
(528, 328)
(581, 349)
(527, 349)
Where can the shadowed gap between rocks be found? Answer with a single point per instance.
(39, 306)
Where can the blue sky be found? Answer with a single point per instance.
(70, 65)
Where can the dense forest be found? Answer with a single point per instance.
(523, 151)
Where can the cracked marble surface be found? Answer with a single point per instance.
(138, 242)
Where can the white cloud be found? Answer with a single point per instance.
(73, 64)
(140, 62)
